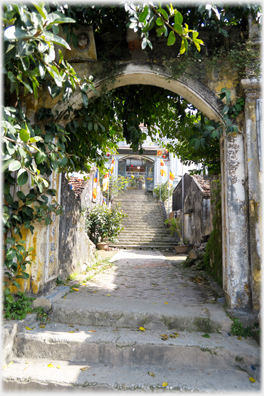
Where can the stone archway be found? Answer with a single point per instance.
(186, 86)
(236, 271)
(241, 277)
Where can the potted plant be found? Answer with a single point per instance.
(103, 225)
(176, 228)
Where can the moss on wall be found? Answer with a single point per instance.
(213, 255)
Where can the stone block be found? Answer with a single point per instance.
(42, 302)
(193, 255)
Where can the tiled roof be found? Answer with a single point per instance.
(204, 184)
(77, 185)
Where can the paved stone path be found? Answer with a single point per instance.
(150, 275)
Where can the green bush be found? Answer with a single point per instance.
(18, 308)
(165, 192)
(238, 329)
(104, 224)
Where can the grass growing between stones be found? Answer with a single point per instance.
(97, 268)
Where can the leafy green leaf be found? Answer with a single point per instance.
(11, 241)
(178, 18)
(24, 135)
(159, 21)
(48, 36)
(41, 9)
(14, 166)
(209, 127)
(163, 13)
(143, 14)
(85, 99)
(21, 196)
(22, 177)
(10, 298)
(40, 157)
(6, 164)
(178, 28)
(197, 144)
(15, 33)
(171, 38)
(11, 254)
(160, 31)
(57, 17)
(183, 46)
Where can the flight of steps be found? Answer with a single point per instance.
(144, 227)
(81, 355)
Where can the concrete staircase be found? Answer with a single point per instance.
(79, 351)
(144, 226)
(93, 341)
(88, 358)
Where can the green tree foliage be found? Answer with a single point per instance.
(167, 21)
(32, 151)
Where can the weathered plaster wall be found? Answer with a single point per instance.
(43, 270)
(253, 176)
(76, 251)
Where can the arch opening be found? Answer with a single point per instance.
(130, 74)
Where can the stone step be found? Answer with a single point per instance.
(133, 238)
(143, 221)
(150, 230)
(129, 231)
(142, 239)
(147, 240)
(134, 199)
(146, 228)
(127, 313)
(152, 214)
(146, 232)
(161, 247)
(138, 207)
(145, 218)
(146, 236)
(35, 375)
(108, 345)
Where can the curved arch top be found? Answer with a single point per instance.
(151, 74)
(126, 156)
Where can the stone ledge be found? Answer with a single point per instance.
(251, 83)
(53, 296)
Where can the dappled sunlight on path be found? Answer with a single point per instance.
(148, 276)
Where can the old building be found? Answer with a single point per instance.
(147, 167)
(196, 206)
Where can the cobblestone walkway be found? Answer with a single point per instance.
(150, 275)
